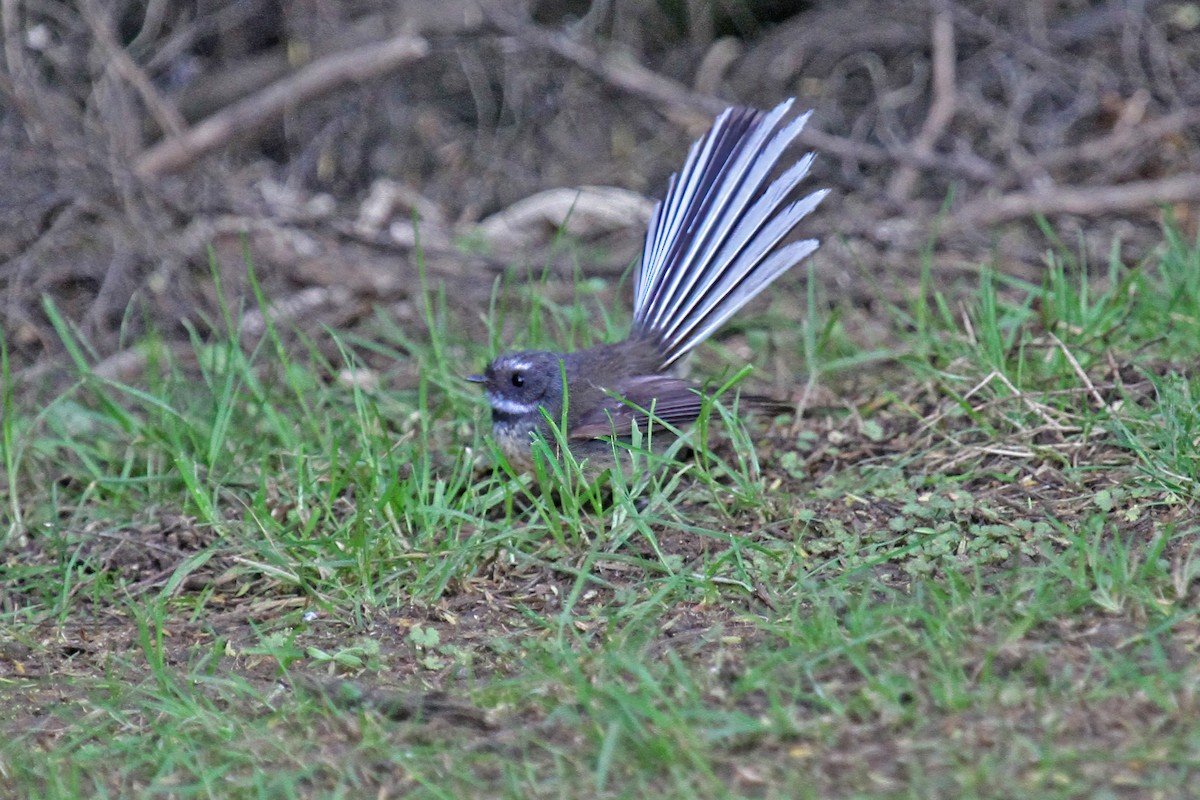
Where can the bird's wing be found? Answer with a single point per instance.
(668, 400)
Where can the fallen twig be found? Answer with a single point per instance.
(169, 120)
(259, 109)
(695, 110)
(941, 110)
(1120, 140)
(1082, 200)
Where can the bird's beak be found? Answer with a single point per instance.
(475, 378)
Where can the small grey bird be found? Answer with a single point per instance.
(713, 245)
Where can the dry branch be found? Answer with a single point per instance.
(941, 110)
(583, 212)
(169, 120)
(258, 110)
(696, 110)
(1081, 200)
(675, 99)
(1121, 140)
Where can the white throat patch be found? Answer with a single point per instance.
(506, 406)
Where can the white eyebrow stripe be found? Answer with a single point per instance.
(506, 406)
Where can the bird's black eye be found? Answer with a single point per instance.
(518, 379)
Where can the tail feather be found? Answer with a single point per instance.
(711, 245)
(688, 194)
(756, 266)
(743, 182)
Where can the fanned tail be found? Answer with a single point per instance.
(712, 242)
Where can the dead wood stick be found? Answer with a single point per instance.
(693, 110)
(941, 110)
(1117, 142)
(169, 120)
(259, 109)
(13, 42)
(1081, 200)
(676, 100)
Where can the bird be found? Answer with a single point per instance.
(713, 243)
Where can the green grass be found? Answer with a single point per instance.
(280, 565)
